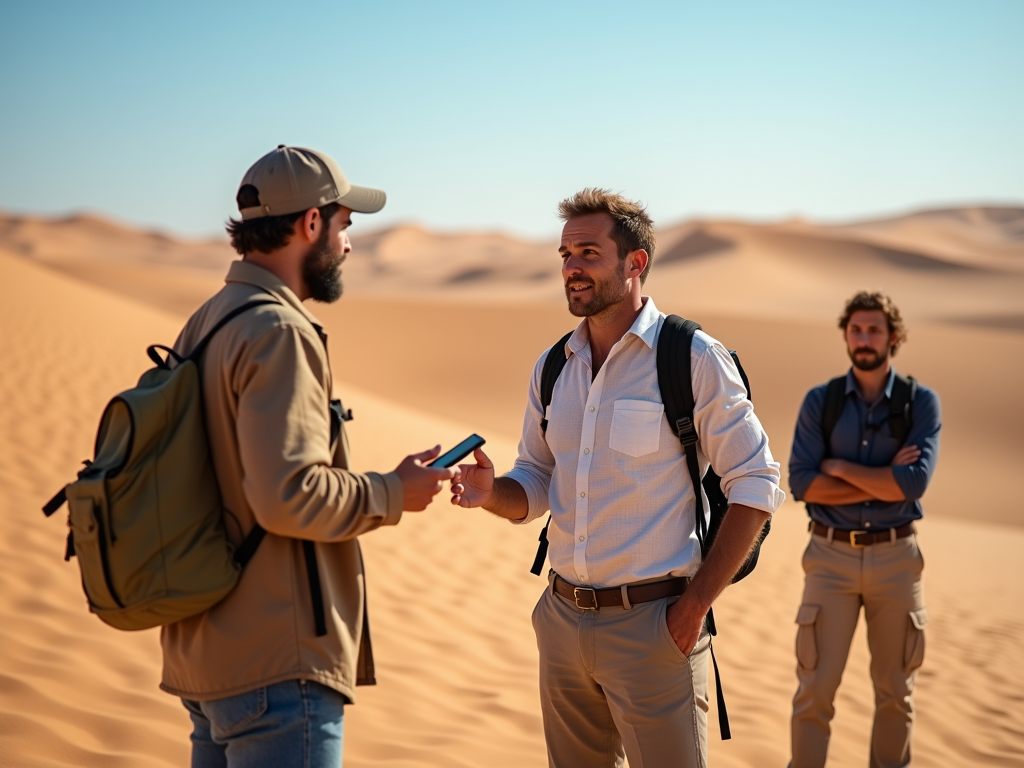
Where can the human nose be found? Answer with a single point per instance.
(346, 244)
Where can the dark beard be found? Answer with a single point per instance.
(872, 364)
(321, 269)
(605, 294)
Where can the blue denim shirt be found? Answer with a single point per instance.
(862, 435)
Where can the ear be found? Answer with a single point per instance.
(308, 227)
(637, 262)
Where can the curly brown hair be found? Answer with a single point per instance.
(865, 301)
(633, 228)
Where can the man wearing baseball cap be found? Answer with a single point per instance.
(266, 673)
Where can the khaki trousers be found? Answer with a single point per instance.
(885, 579)
(613, 683)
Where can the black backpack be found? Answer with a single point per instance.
(676, 384)
(901, 407)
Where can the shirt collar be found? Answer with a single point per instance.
(252, 274)
(851, 382)
(645, 327)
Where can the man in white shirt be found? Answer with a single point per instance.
(621, 632)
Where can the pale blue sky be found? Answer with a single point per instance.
(485, 114)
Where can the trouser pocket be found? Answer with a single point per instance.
(806, 639)
(234, 714)
(913, 653)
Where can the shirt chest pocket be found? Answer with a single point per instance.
(636, 427)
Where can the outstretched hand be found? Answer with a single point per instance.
(420, 483)
(475, 483)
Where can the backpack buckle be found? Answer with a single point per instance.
(686, 431)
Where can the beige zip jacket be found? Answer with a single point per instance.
(266, 387)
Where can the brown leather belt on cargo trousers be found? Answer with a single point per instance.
(858, 539)
(589, 599)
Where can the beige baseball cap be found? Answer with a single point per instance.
(292, 179)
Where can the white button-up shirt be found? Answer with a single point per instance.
(612, 471)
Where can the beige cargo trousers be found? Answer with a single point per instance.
(885, 579)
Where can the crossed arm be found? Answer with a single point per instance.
(845, 482)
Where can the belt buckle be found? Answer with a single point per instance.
(853, 539)
(576, 591)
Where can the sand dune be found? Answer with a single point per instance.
(939, 262)
(457, 666)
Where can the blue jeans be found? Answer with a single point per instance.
(294, 723)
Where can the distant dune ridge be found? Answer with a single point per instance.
(807, 265)
(457, 666)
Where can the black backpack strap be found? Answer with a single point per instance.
(675, 380)
(315, 590)
(56, 502)
(553, 365)
(248, 547)
(835, 399)
(901, 404)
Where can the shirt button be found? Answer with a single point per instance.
(863, 442)
(867, 525)
(591, 409)
(583, 494)
(583, 538)
(586, 450)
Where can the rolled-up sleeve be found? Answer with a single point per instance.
(731, 436)
(913, 478)
(808, 444)
(283, 430)
(535, 462)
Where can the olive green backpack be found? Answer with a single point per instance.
(145, 514)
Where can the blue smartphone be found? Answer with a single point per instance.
(458, 453)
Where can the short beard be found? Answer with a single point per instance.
(321, 269)
(868, 365)
(605, 294)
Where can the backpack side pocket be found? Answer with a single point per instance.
(85, 517)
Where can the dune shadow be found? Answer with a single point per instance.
(694, 246)
(922, 262)
(1004, 322)
(472, 275)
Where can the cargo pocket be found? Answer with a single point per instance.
(806, 641)
(636, 427)
(913, 654)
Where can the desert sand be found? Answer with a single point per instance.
(457, 668)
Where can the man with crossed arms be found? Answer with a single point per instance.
(862, 485)
(621, 632)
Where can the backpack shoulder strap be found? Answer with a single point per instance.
(835, 399)
(675, 380)
(201, 346)
(553, 365)
(901, 404)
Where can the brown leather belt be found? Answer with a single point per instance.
(588, 599)
(858, 539)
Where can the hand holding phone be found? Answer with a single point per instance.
(459, 452)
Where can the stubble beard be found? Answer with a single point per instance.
(605, 295)
(871, 364)
(321, 269)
